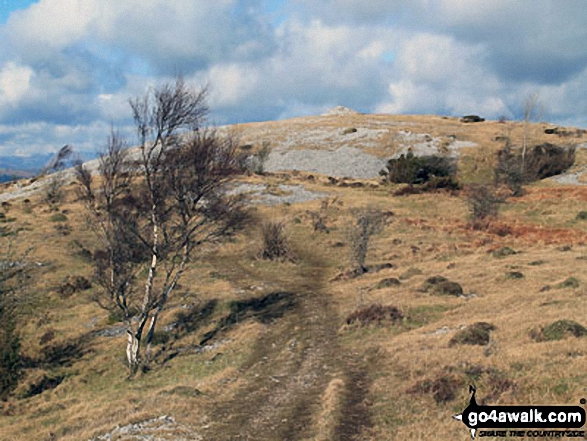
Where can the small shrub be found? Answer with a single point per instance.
(475, 334)
(444, 387)
(274, 242)
(365, 224)
(570, 282)
(442, 286)
(410, 169)
(483, 205)
(375, 314)
(349, 131)
(514, 275)
(582, 215)
(72, 285)
(559, 330)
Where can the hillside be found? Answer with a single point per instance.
(254, 349)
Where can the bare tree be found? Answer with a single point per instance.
(366, 223)
(532, 111)
(176, 203)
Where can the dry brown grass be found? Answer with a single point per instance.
(427, 232)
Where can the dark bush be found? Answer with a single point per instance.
(375, 314)
(582, 215)
(46, 383)
(274, 242)
(475, 334)
(547, 160)
(410, 169)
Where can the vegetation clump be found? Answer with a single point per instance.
(375, 313)
(581, 215)
(475, 334)
(570, 282)
(514, 275)
(275, 245)
(483, 203)
(387, 283)
(444, 387)
(559, 330)
(442, 286)
(411, 169)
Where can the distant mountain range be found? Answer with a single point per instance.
(17, 167)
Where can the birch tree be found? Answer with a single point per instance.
(154, 212)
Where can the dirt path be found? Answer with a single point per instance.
(298, 383)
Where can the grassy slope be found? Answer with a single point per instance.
(387, 367)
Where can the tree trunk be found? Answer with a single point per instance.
(133, 346)
(150, 333)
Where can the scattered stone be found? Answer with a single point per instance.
(545, 288)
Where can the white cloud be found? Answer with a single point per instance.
(14, 83)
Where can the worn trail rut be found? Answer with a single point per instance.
(286, 394)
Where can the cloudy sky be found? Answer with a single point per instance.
(68, 67)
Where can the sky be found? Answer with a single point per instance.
(69, 67)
